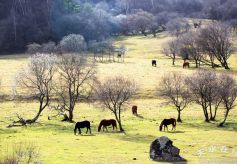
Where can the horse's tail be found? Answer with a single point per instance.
(99, 128)
(75, 129)
(174, 122)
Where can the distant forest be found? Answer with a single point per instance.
(23, 22)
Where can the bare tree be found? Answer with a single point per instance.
(124, 5)
(214, 98)
(114, 93)
(22, 152)
(203, 85)
(216, 41)
(36, 80)
(76, 79)
(154, 26)
(141, 21)
(178, 26)
(228, 92)
(173, 88)
(190, 45)
(172, 49)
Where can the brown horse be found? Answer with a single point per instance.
(186, 64)
(134, 110)
(106, 123)
(167, 122)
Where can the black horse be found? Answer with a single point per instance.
(167, 122)
(153, 63)
(83, 124)
(106, 123)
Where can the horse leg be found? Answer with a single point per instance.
(86, 130)
(75, 131)
(90, 129)
(79, 130)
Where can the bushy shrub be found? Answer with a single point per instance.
(74, 43)
(33, 48)
(22, 152)
(49, 47)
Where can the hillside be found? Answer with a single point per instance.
(57, 143)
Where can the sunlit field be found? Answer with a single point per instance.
(200, 142)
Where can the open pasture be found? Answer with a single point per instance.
(199, 142)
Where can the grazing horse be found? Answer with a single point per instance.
(83, 124)
(167, 122)
(119, 55)
(186, 64)
(153, 63)
(134, 110)
(106, 123)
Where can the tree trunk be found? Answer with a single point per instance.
(216, 107)
(226, 65)
(70, 117)
(196, 62)
(173, 59)
(211, 116)
(204, 107)
(144, 33)
(226, 115)
(179, 116)
(35, 118)
(212, 61)
(120, 126)
(41, 108)
(214, 116)
(206, 116)
(119, 122)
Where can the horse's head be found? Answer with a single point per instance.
(160, 127)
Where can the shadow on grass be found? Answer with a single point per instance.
(13, 57)
(9, 131)
(208, 126)
(110, 132)
(139, 116)
(176, 131)
(85, 135)
(137, 138)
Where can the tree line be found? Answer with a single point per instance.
(211, 45)
(59, 82)
(63, 81)
(209, 89)
(24, 22)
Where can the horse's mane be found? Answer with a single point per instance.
(162, 122)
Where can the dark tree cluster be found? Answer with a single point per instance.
(24, 22)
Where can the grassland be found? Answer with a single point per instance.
(197, 140)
